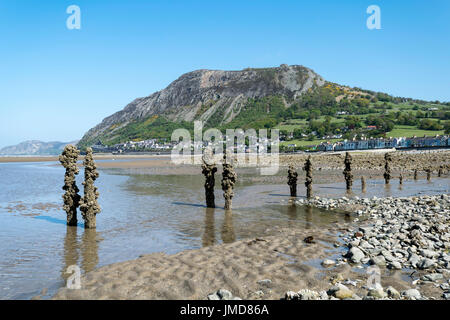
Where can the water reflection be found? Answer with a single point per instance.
(70, 250)
(292, 211)
(87, 247)
(209, 237)
(309, 216)
(228, 234)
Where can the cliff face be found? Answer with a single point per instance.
(200, 94)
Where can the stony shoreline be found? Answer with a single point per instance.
(409, 233)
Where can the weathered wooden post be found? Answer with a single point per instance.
(88, 204)
(208, 170)
(363, 183)
(348, 171)
(387, 167)
(440, 170)
(292, 180)
(68, 159)
(415, 174)
(400, 179)
(308, 181)
(228, 181)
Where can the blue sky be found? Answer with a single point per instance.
(57, 83)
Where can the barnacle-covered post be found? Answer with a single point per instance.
(228, 180)
(88, 204)
(387, 167)
(363, 183)
(68, 159)
(440, 170)
(292, 180)
(415, 174)
(208, 170)
(348, 171)
(400, 179)
(308, 181)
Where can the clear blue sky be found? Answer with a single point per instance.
(56, 83)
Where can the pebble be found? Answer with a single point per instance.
(328, 263)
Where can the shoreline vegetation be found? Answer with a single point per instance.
(407, 238)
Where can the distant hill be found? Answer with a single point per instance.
(217, 97)
(253, 98)
(35, 147)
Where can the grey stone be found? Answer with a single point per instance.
(378, 260)
(412, 294)
(432, 277)
(425, 263)
(355, 254)
(392, 293)
(224, 294)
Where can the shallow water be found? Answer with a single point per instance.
(141, 213)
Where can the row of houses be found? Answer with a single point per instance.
(150, 144)
(386, 143)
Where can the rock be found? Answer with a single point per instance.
(213, 296)
(355, 254)
(425, 263)
(343, 294)
(378, 261)
(414, 260)
(446, 295)
(432, 277)
(392, 293)
(306, 294)
(340, 291)
(224, 294)
(291, 295)
(309, 239)
(264, 282)
(445, 286)
(328, 263)
(395, 265)
(413, 294)
(428, 253)
(377, 293)
(323, 295)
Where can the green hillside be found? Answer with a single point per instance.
(325, 111)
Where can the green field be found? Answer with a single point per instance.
(410, 131)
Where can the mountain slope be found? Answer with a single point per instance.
(214, 96)
(35, 147)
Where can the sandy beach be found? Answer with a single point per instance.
(260, 268)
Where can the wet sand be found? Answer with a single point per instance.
(286, 260)
(242, 267)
